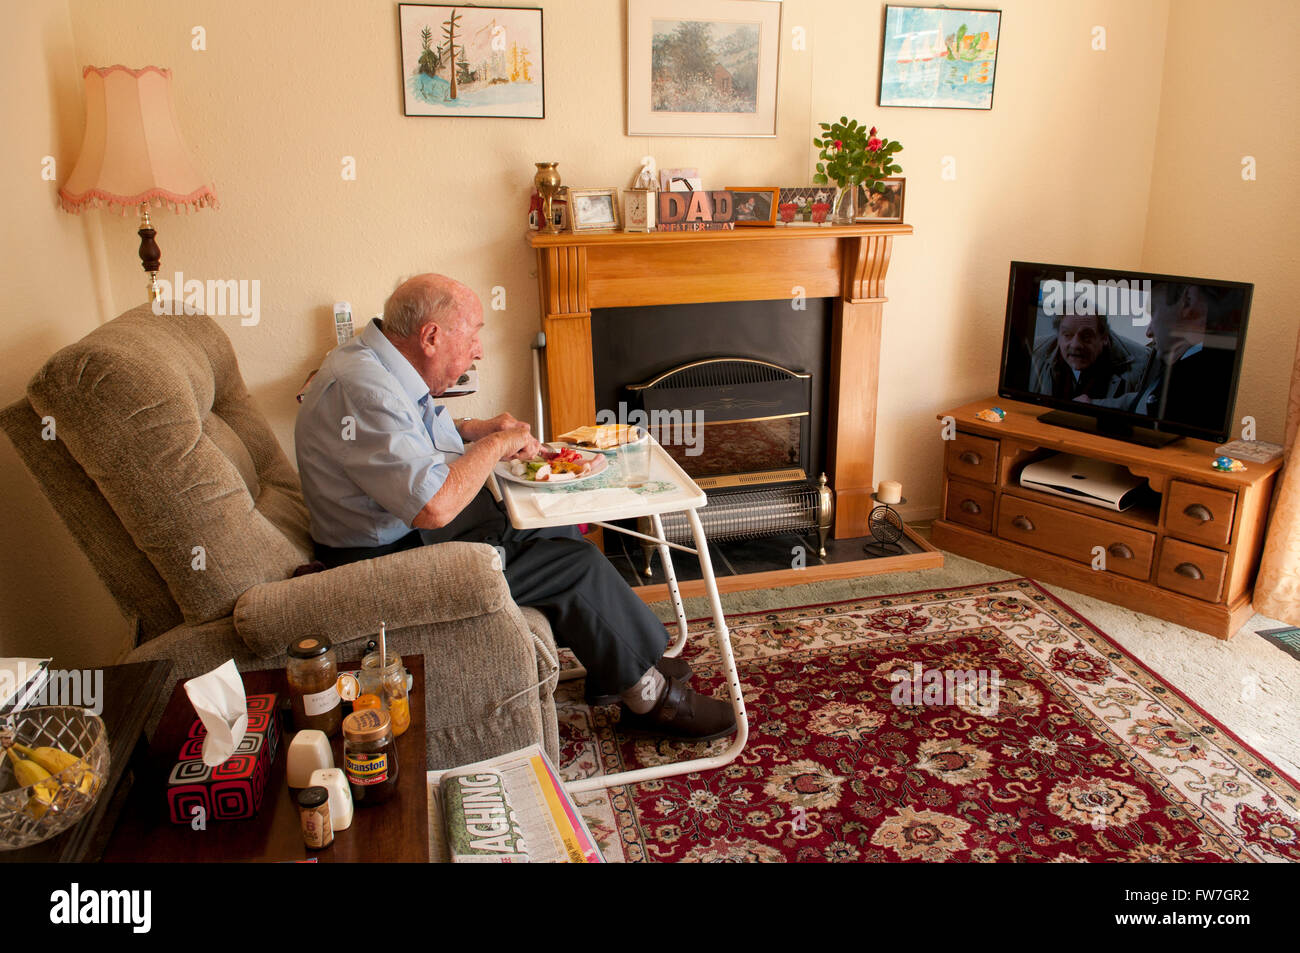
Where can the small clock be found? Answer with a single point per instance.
(639, 210)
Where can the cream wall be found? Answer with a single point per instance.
(1060, 169)
(56, 289)
(1228, 95)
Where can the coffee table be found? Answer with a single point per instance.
(396, 830)
(669, 490)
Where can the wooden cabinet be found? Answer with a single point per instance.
(1187, 553)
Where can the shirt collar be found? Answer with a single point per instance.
(393, 360)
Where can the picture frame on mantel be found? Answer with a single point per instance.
(463, 61)
(884, 208)
(702, 67)
(939, 57)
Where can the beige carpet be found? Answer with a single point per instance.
(1250, 685)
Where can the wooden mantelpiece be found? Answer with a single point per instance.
(577, 272)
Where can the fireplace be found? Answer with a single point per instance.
(807, 301)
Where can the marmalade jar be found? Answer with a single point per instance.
(313, 672)
(370, 756)
(390, 686)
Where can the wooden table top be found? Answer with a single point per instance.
(124, 717)
(397, 830)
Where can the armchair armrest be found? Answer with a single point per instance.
(430, 584)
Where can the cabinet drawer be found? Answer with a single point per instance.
(1202, 514)
(1191, 570)
(972, 457)
(970, 505)
(1128, 550)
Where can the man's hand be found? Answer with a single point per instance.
(517, 441)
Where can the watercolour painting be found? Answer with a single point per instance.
(939, 57)
(472, 61)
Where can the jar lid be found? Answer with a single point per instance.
(369, 724)
(309, 646)
(313, 797)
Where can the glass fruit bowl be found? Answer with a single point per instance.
(36, 803)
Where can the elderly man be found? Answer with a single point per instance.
(384, 468)
(1083, 359)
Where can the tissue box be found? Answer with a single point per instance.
(234, 788)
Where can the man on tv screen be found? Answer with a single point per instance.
(1193, 332)
(1083, 357)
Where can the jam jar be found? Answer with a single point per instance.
(370, 756)
(389, 684)
(312, 672)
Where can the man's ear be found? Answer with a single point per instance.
(429, 338)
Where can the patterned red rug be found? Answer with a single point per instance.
(986, 723)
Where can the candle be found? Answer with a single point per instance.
(889, 491)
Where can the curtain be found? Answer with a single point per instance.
(1277, 588)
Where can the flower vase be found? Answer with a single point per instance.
(846, 203)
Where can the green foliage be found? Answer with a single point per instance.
(853, 160)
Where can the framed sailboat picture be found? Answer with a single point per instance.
(939, 57)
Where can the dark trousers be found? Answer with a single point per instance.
(591, 609)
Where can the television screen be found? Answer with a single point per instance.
(1136, 352)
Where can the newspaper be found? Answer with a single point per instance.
(511, 809)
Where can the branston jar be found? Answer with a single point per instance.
(370, 756)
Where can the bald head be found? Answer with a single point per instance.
(428, 299)
(434, 322)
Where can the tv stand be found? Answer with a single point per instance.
(1144, 436)
(1188, 554)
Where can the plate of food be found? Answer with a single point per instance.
(554, 465)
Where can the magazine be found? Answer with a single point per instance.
(511, 809)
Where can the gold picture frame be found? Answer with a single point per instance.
(594, 209)
(755, 207)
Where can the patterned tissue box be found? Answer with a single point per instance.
(234, 788)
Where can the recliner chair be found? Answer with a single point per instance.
(173, 484)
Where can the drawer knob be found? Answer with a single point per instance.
(1199, 511)
(970, 506)
(1190, 570)
(1120, 551)
(971, 457)
(1023, 522)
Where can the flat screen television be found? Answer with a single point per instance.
(1132, 355)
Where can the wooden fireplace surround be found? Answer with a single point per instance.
(577, 272)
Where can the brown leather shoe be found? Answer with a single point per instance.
(682, 713)
(669, 668)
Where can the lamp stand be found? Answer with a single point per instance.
(150, 253)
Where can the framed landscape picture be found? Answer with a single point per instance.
(472, 61)
(702, 67)
(939, 57)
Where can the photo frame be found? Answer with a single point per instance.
(883, 208)
(472, 61)
(592, 209)
(806, 205)
(939, 57)
(755, 207)
(734, 48)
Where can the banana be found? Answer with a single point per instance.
(55, 760)
(44, 788)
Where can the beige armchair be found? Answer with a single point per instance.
(173, 484)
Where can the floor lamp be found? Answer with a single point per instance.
(133, 154)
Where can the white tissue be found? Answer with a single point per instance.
(218, 698)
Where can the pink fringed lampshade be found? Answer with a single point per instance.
(133, 152)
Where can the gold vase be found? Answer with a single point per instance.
(547, 181)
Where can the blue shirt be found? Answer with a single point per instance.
(372, 446)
